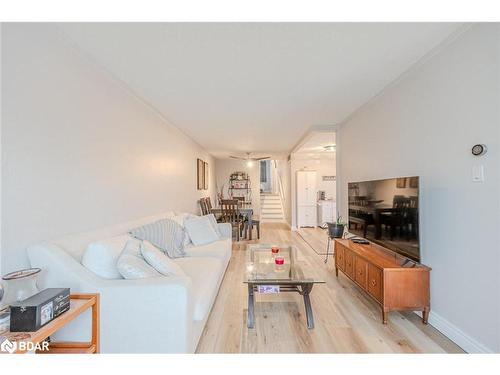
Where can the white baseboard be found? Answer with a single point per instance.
(456, 335)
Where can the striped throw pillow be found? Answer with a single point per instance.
(165, 234)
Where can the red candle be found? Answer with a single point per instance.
(275, 250)
(279, 260)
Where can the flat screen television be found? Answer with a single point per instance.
(386, 212)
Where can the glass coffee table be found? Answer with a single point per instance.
(265, 274)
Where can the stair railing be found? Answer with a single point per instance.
(280, 184)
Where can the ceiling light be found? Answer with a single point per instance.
(249, 163)
(329, 148)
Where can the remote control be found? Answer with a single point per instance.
(361, 241)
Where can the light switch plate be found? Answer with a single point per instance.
(478, 173)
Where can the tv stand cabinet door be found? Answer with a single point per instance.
(361, 275)
(375, 281)
(349, 263)
(339, 256)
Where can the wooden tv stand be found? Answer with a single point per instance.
(394, 281)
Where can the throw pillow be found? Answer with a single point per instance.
(100, 256)
(201, 230)
(180, 219)
(214, 223)
(165, 234)
(131, 263)
(159, 261)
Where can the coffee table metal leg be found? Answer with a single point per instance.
(250, 317)
(306, 289)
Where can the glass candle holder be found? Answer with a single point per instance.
(279, 261)
(275, 250)
(19, 285)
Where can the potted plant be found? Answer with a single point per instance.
(336, 230)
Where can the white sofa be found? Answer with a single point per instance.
(155, 315)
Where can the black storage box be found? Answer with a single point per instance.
(34, 312)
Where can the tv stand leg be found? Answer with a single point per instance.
(384, 316)
(336, 271)
(425, 315)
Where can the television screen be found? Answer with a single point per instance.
(386, 212)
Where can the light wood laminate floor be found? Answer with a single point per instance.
(346, 320)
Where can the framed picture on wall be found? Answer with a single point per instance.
(205, 178)
(200, 174)
(401, 183)
(414, 182)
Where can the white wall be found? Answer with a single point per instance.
(224, 168)
(323, 167)
(425, 124)
(79, 151)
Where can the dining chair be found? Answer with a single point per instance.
(255, 223)
(230, 214)
(208, 204)
(203, 206)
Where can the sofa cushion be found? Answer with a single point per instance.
(205, 274)
(201, 230)
(132, 265)
(220, 249)
(159, 261)
(166, 234)
(100, 256)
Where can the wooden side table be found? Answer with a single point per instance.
(79, 303)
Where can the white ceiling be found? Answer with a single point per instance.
(313, 146)
(316, 142)
(237, 87)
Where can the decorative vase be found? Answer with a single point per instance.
(19, 285)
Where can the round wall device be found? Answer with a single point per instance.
(478, 150)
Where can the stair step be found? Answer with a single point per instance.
(274, 221)
(271, 216)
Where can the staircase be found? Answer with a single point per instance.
(271, 209)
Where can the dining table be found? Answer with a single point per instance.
(245, 209)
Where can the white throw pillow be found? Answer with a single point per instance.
(159, 261)
(100, 256)
(180, 218)
(201, 231)
(131, 263)
(215, 225)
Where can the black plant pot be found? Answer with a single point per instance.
(336, 230)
